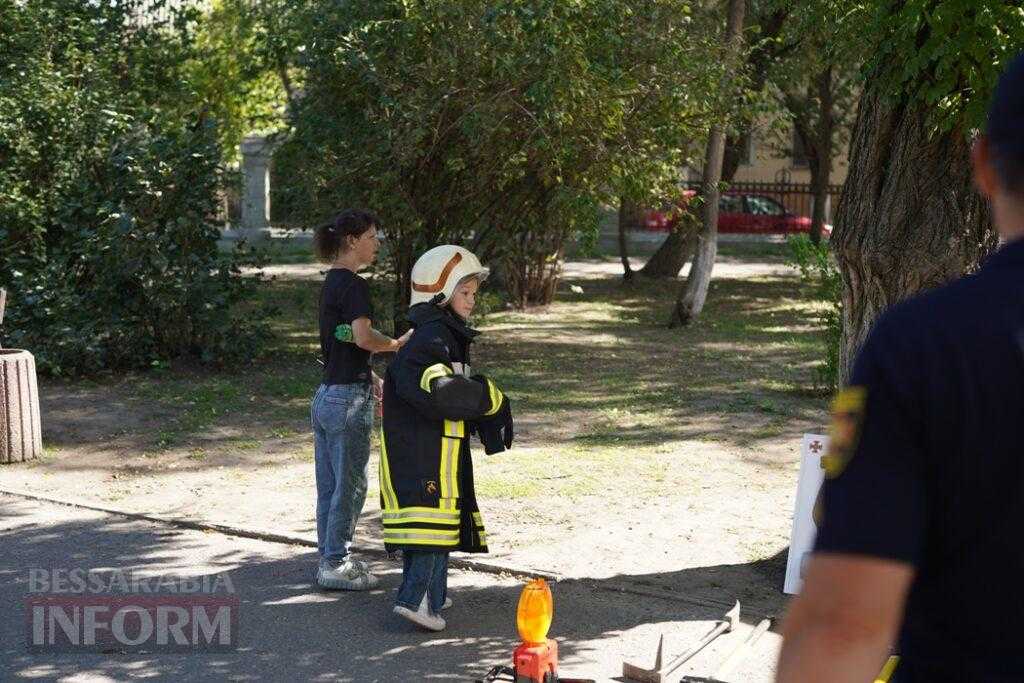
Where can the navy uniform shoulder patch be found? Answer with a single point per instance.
(844, 432)
(843, 435)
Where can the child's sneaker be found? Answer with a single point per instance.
(353, 575)
(422, 616)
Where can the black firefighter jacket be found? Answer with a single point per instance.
(426, 472)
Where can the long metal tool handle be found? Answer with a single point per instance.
(701, 644)
(740, 652)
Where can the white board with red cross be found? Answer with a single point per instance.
(801, 541)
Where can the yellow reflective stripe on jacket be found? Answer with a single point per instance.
(449, 472)
(455, 428)
(496, 397)
(438, 537)
(421, 514)
(478, 527)
(396, 524)
(386, 487)
(432, 373)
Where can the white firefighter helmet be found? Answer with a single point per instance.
(440, 270)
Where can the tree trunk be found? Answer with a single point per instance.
(533, 275)
(819, 189)
(734, 149)
(676, 249)
(909, 219)
(671, 256)
(629, 218)
(823, 144)
(289, 89)
(695, 290)
(402, 260)
(693, 293)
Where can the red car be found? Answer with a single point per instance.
(739, 213)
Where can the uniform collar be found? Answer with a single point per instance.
(1010, 254)
(424, 313)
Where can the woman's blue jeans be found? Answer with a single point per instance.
(341, 417)
(423, 571)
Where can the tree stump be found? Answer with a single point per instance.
(20, 427)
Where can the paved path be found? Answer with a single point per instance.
(292, 631)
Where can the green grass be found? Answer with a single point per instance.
(608, 390)
(772, 252)
(608, 355)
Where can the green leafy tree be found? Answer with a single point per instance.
(816, 84)
(502, 126)
(110, 169)
(691, 297)
(231, 74)
(740, 108)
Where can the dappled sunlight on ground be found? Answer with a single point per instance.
(639, 448)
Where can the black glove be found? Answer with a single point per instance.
(495, 431)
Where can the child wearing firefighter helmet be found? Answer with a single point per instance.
(432, 404)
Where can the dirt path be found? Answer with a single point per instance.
(591, 269)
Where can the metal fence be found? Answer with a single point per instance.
(797, 198)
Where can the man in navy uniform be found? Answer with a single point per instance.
(921, 543)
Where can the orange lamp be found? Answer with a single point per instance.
(536, 660)
(533, 618)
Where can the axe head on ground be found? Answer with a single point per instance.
(732, 617)
(660, 673)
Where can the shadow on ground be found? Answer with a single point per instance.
(291, 631)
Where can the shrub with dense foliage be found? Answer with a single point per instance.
(110, 171)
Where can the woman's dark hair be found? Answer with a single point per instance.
(330, 239)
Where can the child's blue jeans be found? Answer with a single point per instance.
(423, 571)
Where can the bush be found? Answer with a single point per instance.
(819, 270)
(501, 126)
(109, 180)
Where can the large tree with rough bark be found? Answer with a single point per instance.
(910, 217)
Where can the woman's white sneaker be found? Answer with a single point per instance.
(422, 616)
(353, 575)
(447, 603)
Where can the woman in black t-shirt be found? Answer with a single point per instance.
(342, 409)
